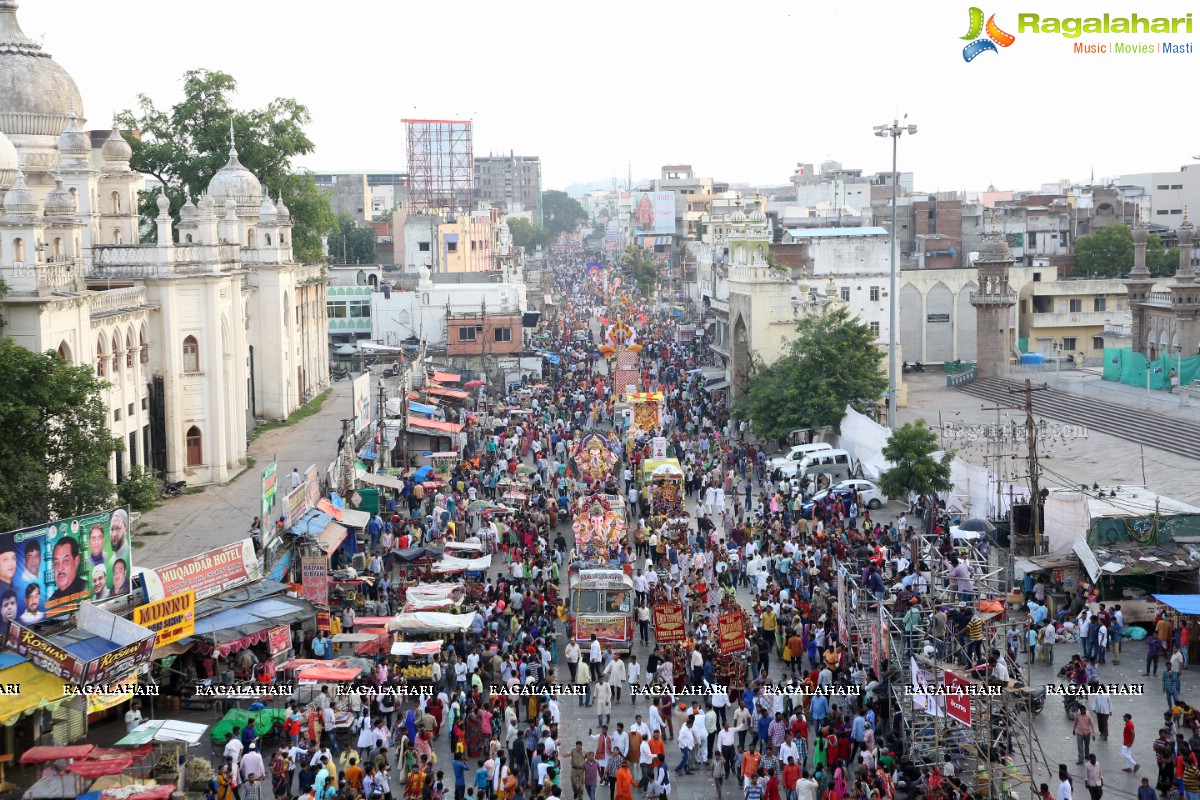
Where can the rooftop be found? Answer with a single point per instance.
(812, 233)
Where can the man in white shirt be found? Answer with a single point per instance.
(806, 787)
(233, 749)
(620, 741)
(596, 656)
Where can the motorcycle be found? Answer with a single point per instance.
(173, 488)
(338, 374)
(1071, 704)
(391, 372)
(915, 367)
(1037, 700)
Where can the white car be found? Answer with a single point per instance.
(872, 496)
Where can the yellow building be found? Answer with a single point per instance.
(1068, 317)
(470, 242)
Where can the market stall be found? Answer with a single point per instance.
(268, 722)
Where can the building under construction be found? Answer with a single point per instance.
(940, 707)
(441, 165)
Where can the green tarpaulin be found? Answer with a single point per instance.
(264, 720)
(1122, 365)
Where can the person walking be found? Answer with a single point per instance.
(1084, 730)
(1093, 777)
(1171, 686)
(1102, 708)
(1128, 734)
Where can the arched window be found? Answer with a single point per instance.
(195, 449)
(100, 361)
(58, 250)
(19, 250)
(145, 347)
(64, 351)
(191, 355)
(116, 236)
(116, 353)
(131, 348)
(252, 238)
(267, 238)
(116, 202)
(187, 239)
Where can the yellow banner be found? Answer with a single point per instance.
(99, 702)
(172, 618)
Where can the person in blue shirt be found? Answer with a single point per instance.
(819, 710)
(460, 777)
(374, 528)
(764, 725)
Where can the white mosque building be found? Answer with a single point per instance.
(197, 338)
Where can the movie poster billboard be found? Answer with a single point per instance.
(46, 571)
(668, 623)
(362, 402)
(654, 213)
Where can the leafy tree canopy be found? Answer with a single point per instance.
(1109, 252)
(350, 244)
(643, 268)
(54, 444)
(184, 146)
(561, 212)
(526, 234)
(910, 450)
(832, 363)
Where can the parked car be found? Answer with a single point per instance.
(872, 495)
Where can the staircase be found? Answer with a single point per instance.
(1134, 425)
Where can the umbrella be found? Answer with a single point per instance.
(422, 473)
(473, 384)
(525, 469)
(976, 525)
(479, 505)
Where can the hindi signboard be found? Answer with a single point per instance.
(172, 618)
(314, 577)
(958, 702)
(668, 623)
(207, 574)
(279, 639)
(731, 630)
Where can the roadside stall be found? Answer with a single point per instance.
(268, 722)
(472, 568)
(174, 739)
(56, 781)
(411, 661)
(415, 564)
(434, 596)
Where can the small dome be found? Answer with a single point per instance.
(116, 150)
(757, 216)
(993, 250)
(9, 163)
(207, 206)
(73, 141)
(60, 202)
(738, 216)
(164, 205)
(282, 212)
(36, 94)
(19, 199)
(234, 180)
(266, 210)
(187, 210)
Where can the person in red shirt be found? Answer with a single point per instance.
(1127, 737)
(772, 792)
(791, 774)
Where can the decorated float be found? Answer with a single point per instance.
(599, 528)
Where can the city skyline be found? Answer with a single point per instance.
(770, 88)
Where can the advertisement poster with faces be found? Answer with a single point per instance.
(46, 571)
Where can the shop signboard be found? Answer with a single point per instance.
(121, 661)
(56, 566)
(731, 630)
(270, 487)
(102, 701)
(208, 574)
(361, 395)
(279, 639)
(171, 619)
(958, 702)
(45, 654)
(668, 623)
(314, 577)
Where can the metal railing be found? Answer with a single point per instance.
(956, 379)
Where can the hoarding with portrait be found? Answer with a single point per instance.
(362, 402)
(46, 571)
(654, 212)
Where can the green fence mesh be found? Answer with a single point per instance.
(1122, 365)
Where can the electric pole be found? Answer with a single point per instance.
(1035, 500)
(347, 458)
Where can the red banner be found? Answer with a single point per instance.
(314, 575)
(958, 702)
(119, 662)
(45, 654)
(279, 639)
(731, 630)
(669, 627)
(324, 624)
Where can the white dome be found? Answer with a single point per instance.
(19, 199)
(266, 209)
(234, 180)
(74, 141)
(116, 150)
(738, 216)
(283, 212)
(9, 163)
(36, 94)
(60, 202)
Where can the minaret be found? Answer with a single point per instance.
(1138, 285)
(992, 301)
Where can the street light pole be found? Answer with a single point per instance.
(895, 130)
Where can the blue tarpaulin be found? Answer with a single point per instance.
(1183, 603)
(91, 648)
(311, 524)
(369, 453)
(423, 473)
(282, 566)
(421, 408)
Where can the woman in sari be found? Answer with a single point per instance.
(424, 746)
(474, 735)
(410, 725)
(435, 711)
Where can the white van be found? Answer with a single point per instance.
(790, 463)
(835, 465)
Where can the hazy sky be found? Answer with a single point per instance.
(741, 91)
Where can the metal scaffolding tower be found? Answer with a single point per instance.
(441, 165)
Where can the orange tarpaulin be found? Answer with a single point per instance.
(434, 425)
(441, 391)
(446, 377)
(344, 674)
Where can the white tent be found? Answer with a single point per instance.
(454, 564)
(431, 622)
(430, 596)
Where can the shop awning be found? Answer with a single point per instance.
(718, 386)
(340, 674)
(331, 538)
(454, 564)
(39, 689)
(433, 426)
(164, 730)
(441, 391)
(281, 610)
(44, 753)
(236, 629)
(416, 648)
(431, 622)
(386, 481)
(420, 408)
(1183, 603)
(94, 769)
(446, 377)
(172, 649)
(346, 516)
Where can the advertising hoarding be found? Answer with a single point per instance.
(958, 702)
(171, 619)
(269, 490)
(207, 574)
(50, 569)
(654, 212)
(362, 402)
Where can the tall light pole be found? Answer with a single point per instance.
(895, 130)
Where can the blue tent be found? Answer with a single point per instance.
(423, 473)
(1183, 603)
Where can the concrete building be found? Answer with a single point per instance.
(474, 242)
(197, 337)
(1168, 194)
(1165, 320)
(348, 194)
(510, 183)
(1070, 317)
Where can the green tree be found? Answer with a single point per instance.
(55, 446)
(526, 234)
(1109, 252)
(184, 146)
(384, 216)
(832, 363)
(141, 490)
(350, 244)
(910, 450)
(640, 263)
(561, 212)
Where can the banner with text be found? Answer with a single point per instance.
(362, 402)
(668, 623)
(731, 630)
(958, 702)
(314, 577)
(279, 639)
(171, 619)
(207, 574)
(269, 487)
